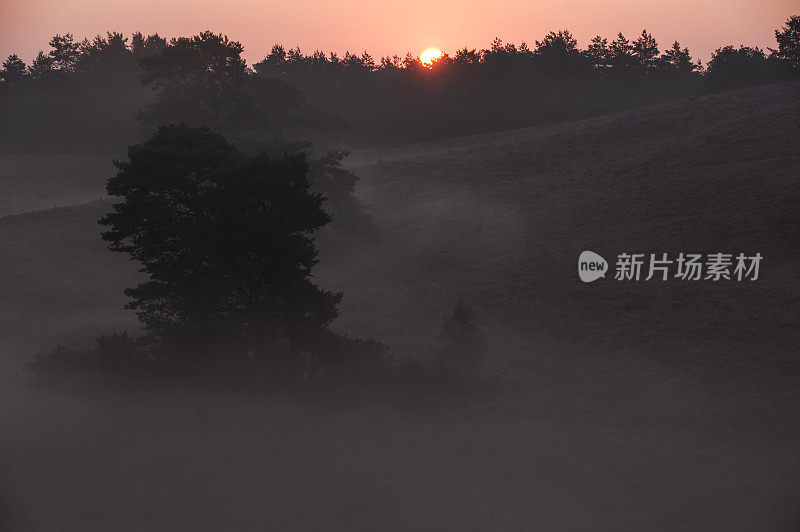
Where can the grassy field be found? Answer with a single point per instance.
(649, 405)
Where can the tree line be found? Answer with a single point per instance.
(104, 89)
(557, 52)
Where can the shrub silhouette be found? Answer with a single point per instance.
(460, 343)
(116, 353)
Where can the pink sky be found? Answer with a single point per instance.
(385, 28)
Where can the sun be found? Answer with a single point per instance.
(430, 55)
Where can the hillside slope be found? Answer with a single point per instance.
(624, 405)
(500, 220)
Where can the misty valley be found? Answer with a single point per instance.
(324, 290)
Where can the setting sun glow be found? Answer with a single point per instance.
(430, 55)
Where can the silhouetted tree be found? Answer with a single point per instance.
(109, 49)
(558, 53)
(356, 63)
(599, 53)
(503, 58)
(788, 38)
(412, 63)
(731, 68)
(203, 80)
(391, 63)
(329, 177)
(679, 59)
(13, 71)
(467, 57)
(200, 80)
(621, 54)
(41, 66)
(150, 45)
(275, 60)
(645, 51)
(226, 242)
(64, 52)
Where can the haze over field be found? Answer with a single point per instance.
(650, 405)
(262, 269)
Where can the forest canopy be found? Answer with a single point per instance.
(109, 92)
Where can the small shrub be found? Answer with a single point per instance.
(460, 343)
(122, 353)
(116, 353)
(60, 360)
(323, 356)
(340, 356)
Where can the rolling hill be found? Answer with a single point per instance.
(629, 404)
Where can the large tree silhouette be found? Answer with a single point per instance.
(226, 242)
(199, 80)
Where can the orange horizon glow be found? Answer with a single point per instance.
(26, 26)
